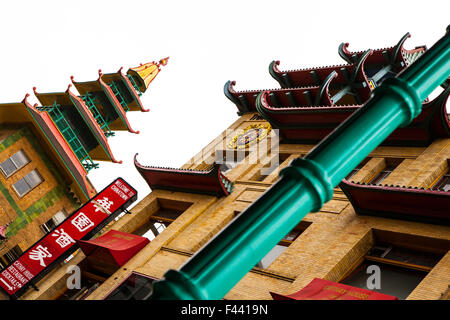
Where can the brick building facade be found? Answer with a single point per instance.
(188, 206)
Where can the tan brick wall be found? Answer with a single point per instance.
(32, 231)
(335, 242)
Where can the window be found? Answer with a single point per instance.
(93, 274)
(135, 287)
(229, 159)
(391, 164)
(167, 212)
(27, 183)
(404, 261)
(54, 221)
(283, 244)
(14, 163)
(268, 168)
(395, 281)
(358, 167)
(10, 256)
(443, 184)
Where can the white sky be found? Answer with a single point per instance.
(45, 42)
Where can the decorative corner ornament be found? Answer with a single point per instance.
(249, 136)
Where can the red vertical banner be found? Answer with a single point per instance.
(61, 241)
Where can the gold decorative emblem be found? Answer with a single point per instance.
(249, 136)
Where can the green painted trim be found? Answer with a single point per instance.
(35, 210)
(11, 140)
(100, 142)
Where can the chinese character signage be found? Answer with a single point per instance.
(60, 242)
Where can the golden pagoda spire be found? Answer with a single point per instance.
(145, 73)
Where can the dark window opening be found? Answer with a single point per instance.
(391, 164)
(404, 261)
(167, 212)
(279, 248)
(93, 273)
(358, 167)
(54, 221)
(443, 184)
(268, 168)
(10, 256)
(230, 158)
(135, 287)
(395, 281)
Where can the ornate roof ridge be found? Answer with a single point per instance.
(159, 168)
(393, 186)
(211, 181)
(232, 83)
(277, 62)
(346, 44)
(267, 106)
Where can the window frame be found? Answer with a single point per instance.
(390, 165)
(301, 227)
(132, 273)
(24, 180)
(47, 229)
(14, 163)
(442, 182)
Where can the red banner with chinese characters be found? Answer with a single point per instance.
(320, 289)
(61, 241)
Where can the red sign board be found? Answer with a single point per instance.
(61, 241)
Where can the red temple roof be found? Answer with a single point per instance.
(210, 181)
(395, 202)
(320, 289)
(312, 124)
(361, 62)
(245, 101)
(345, 84)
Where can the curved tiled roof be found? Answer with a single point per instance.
(399, 202)
(312, 124)
(210, 181)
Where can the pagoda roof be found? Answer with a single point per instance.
(100, 86)
(344, 84)
(400, 56)
(345, 74)
(211, 181)
(68, 99)
(48, 133)
(136, 104)
(399, 202)
(358, 62)
(309, 92)
(312, 124)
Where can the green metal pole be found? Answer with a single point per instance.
(307, 183)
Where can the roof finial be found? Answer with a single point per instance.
(163, 61)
